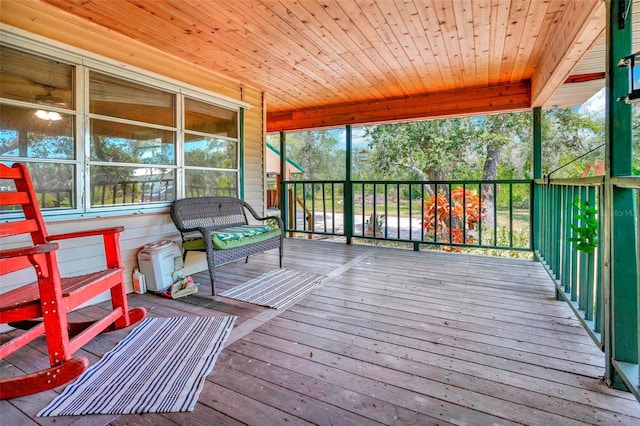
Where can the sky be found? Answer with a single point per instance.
(595, 105)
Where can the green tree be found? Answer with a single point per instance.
(422, 150)
(567, 134)
(318, 153)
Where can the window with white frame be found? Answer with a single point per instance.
(95, 140)
(38, 124)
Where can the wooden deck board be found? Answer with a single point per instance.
(392, 337)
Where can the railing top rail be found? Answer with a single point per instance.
(418, 182)
(587, 181)
(632, 182)
(314, 181)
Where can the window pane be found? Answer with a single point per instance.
(53, 183)
(209, 152)
(126, 143)
(23, 134)
(207, 118)
(111, 185)
(200, 183)
(30, 78)
(114, 97)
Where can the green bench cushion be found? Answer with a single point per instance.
(234, 237)
(237, 232)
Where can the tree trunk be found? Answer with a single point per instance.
(434, 175)
(490, 173)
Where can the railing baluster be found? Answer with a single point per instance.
(480, 216)
(398, 204)
(435, 214)
(510, 215)
(422, 230)
(324, 207)
(495, 214)
(567, 272)
(364, 206)
(410, 212)
(386, 210)
(582, 289)
(590, 285)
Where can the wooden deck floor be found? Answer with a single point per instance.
(393, 337)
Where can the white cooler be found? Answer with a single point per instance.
(161, 264)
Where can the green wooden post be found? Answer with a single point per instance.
(348, 190)
(536, 205)
(284, 208)
(241, 154)
(620, 270)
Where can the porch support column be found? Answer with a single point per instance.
(284, 208)
(537, 174)
(619, 266)
(348, 190)
(241, 153)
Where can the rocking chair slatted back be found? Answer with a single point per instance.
(41, 307)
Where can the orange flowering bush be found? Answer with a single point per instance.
(446, 223)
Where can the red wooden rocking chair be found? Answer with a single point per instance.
(41, 308)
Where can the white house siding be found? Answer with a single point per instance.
(51, 26)
(254, 145)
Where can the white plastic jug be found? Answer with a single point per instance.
(139, 282)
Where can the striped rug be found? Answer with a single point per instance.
(276, 288)
(159, 367)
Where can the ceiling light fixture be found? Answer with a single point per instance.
(49, 100)
(48, 115)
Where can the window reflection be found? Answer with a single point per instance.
(112, 185)
(114, 97)
(22, 134)
(210, 152)
(200, 183)
(29, 78)
(126, 143)
(53, 183)
(207, 118)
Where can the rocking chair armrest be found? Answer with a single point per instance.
(88, 233)
(28, 250)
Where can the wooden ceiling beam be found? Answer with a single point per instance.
(581, 24)
(465, 102)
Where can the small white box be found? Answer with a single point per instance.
(161, 263)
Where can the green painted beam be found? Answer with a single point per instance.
(284, 208)
(348, 188)
(620, 264)
(537, 174)
(241, 158)
(537, 143)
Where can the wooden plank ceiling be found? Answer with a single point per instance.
(330, 62)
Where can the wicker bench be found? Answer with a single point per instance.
(219, 227)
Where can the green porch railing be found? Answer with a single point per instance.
(405, 211)
(623, 347)
(581, 278)
(576, 273)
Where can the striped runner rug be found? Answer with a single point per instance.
(276, 288)
(160, 367)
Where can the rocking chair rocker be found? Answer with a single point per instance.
(41, 307)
